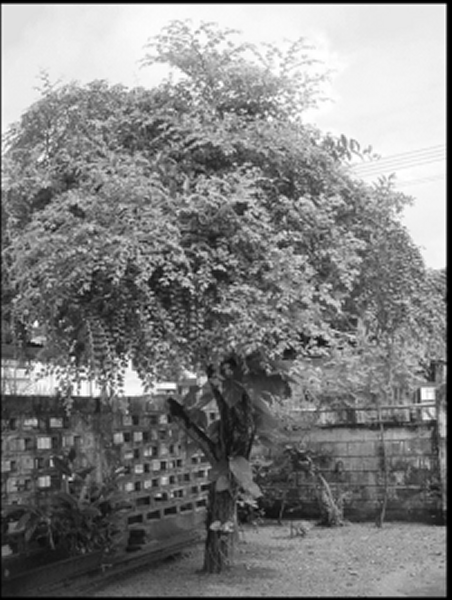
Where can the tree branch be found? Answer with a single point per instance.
(224, 415)
(180, 415)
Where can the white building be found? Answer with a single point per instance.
(16, 378)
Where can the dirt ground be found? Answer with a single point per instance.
(358, 560)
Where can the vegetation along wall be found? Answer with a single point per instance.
(349, 453)
(164, 483)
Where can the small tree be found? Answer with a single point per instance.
(199, 225)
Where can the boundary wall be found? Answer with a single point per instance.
(166, 483)
(347, 447)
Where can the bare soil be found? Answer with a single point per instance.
(358, 560)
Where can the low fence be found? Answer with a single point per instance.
(349, 451)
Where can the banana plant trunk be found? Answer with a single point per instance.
(220, 540)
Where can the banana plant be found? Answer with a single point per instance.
(88, 515)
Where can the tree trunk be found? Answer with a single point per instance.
(219, 546)
(233, 443)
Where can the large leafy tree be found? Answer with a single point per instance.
(200, 224)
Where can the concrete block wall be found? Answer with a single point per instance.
(351, 459)
(166, 483)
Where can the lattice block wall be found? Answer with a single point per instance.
(166, 484)
(28, 445)
(161, 479)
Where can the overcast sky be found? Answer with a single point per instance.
(388, 90)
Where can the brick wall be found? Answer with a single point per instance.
(166, 483)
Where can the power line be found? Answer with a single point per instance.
(398, 168)
(419, 150)
(395, 164)
(385, 164)
(398, 159)
(427, 150)
(401, 165)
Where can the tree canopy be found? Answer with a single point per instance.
(196, 220)
(201, 225)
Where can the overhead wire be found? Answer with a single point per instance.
(397, 167)
(402, 160)
(376, 168)
(427, 150)
(385, 164)
(394, 169)
(418, 151)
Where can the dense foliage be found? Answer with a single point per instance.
(198, 225)
(400, 331)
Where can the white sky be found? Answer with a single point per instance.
(389, 88)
